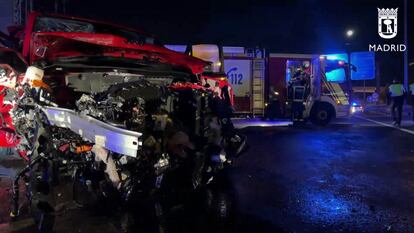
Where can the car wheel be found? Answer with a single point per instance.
(321, 115)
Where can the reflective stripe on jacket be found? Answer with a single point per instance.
(396, 90)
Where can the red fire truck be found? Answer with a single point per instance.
(213, 75)
(241, 69)
(325, 99)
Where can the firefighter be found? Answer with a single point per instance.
(299, 86)
(225, 95)
(297, 101)
(412, 99)
(396, 91)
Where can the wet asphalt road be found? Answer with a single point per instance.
(352, 176)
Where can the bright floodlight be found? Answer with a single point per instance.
(349, 33)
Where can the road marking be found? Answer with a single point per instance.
(387, 125)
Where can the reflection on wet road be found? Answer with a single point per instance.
(349, 177)
(344, 178)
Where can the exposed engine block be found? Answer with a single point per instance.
(130, 134)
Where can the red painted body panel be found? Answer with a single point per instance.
(71, 44)
(8, 137)
(32, 19)
(223, 81)
(186, 86)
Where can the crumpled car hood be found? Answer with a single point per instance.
(48, 46)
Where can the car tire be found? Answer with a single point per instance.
(321, 114)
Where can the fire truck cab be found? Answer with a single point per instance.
(323, 99)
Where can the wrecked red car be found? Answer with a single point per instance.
(123, 114)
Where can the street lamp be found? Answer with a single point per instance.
(350, 33)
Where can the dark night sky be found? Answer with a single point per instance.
(274, 24)
(301, 26)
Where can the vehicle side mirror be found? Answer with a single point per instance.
(354, 68)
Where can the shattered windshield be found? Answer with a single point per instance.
(52, 24)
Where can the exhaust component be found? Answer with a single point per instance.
(114, 139)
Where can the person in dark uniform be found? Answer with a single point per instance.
(299, 87)
(225, 95)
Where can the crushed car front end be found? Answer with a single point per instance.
(121, 113)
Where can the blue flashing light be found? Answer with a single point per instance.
(337, 56)
(354, 104)
(333, 57)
